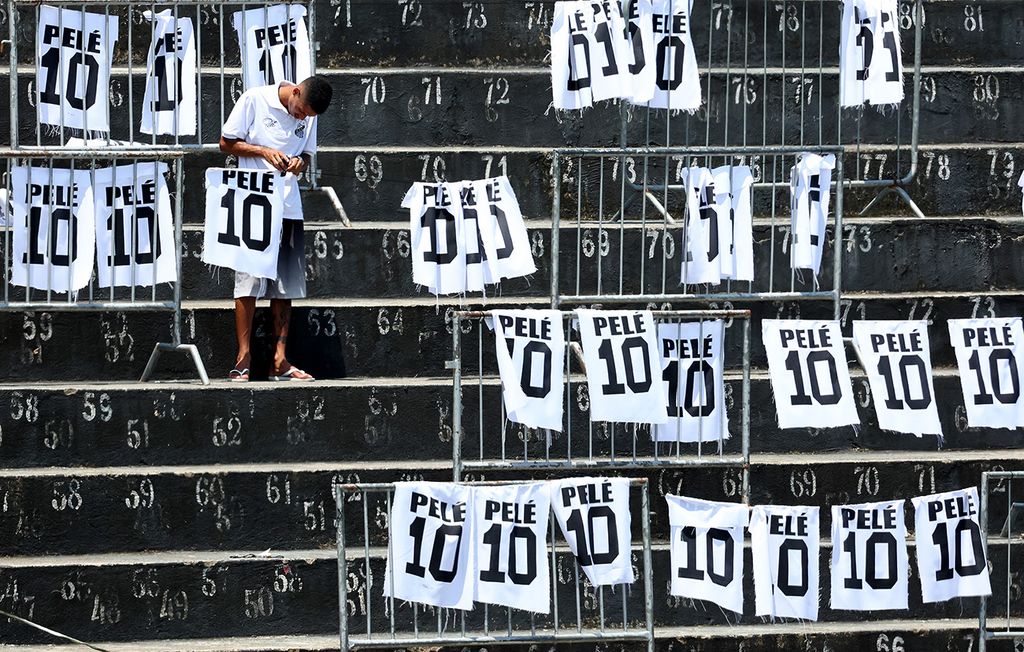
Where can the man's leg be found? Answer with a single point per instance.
(245, 309)
(282, 311)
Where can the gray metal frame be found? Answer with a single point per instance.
(585, 457)
(1004, 483)
(464, 628)
(617, 219)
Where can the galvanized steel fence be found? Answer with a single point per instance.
(1001, 616)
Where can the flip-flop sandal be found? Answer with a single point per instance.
(237, 375)
(292, 375)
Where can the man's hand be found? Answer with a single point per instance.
(297, 165)
(277, 158)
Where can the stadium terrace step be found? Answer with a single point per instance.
(127, 597)
(384, 337)
(480, 107)
(290, 506)
(374, 422)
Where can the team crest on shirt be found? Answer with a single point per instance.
(300, 130)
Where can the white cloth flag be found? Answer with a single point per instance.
(510, 531)
(438, 251)
(733, 204)
(74, 54)
(707, 550)
(502, 229)
(870, 60)
(702, 261)
(620, 350)
(593, 514)
(274, 43)
(530, 347)
(990, 358)
(54, 229)
(169, 106)
(810, 377)
(244, 217)
(869, 556)
(784, 543)
(693, 368)
(430, 550)
(1020, 184)
(897, 358)
(590, 53)
(676, 84)
(950, 546)
(810, 189)
(134, 225)
(642, 65)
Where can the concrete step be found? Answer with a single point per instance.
(290, 506)
(377, 421)
(382, 337)
(186, 595)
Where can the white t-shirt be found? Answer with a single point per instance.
(259, 118)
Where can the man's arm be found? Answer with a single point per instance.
(238, 147)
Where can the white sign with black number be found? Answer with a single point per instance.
(642, 67)
(810, 189)
(702, 260)
(869, 556)
(169, 106)
(134, 225)
(670, 62)
(510, 532)
(74, 54)
(990, 358)
(593, 514)
(620, 349)
(870, 60)
(274, 43)
(54, 229)
(430, 549)
(530, 347)
(436, 225)
(810, 378)
(590, 53)
(733, 206)
(784, 543)
(897, 358)
(707, 550)
(950, 546)
(502, 246)
(693, 369)
(244, 217)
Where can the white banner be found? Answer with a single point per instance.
(431, 552)
(134, 225)
(701, 260)
(169, 106)
(670, 59)
(810, 190)
(530, 347)
(590, 53)
(593, 514)
(54, 229)
(244, 217)
(642, 65)
(502, 229)
(869, 556)
(950, 546)
(810, 377)
(510, 532)
(707, 550)
(991, 364)
(620, 349)
(74, 55)
(784, 542)
(897, 358)
(693, 368)
(274, 43)
(733, 206)
(870, 60)
(438, 251)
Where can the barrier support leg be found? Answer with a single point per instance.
(189, 349)
(900, 192)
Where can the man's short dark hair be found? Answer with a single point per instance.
(317, 92)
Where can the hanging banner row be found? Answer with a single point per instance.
(452, 544)
(75, 52)
(671, 375)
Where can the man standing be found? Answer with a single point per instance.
(274, 128)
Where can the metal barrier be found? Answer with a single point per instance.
(1003, 515)
(623, 253)
(794, 76)
(125, 238)
(604, 445)
(363, 542)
